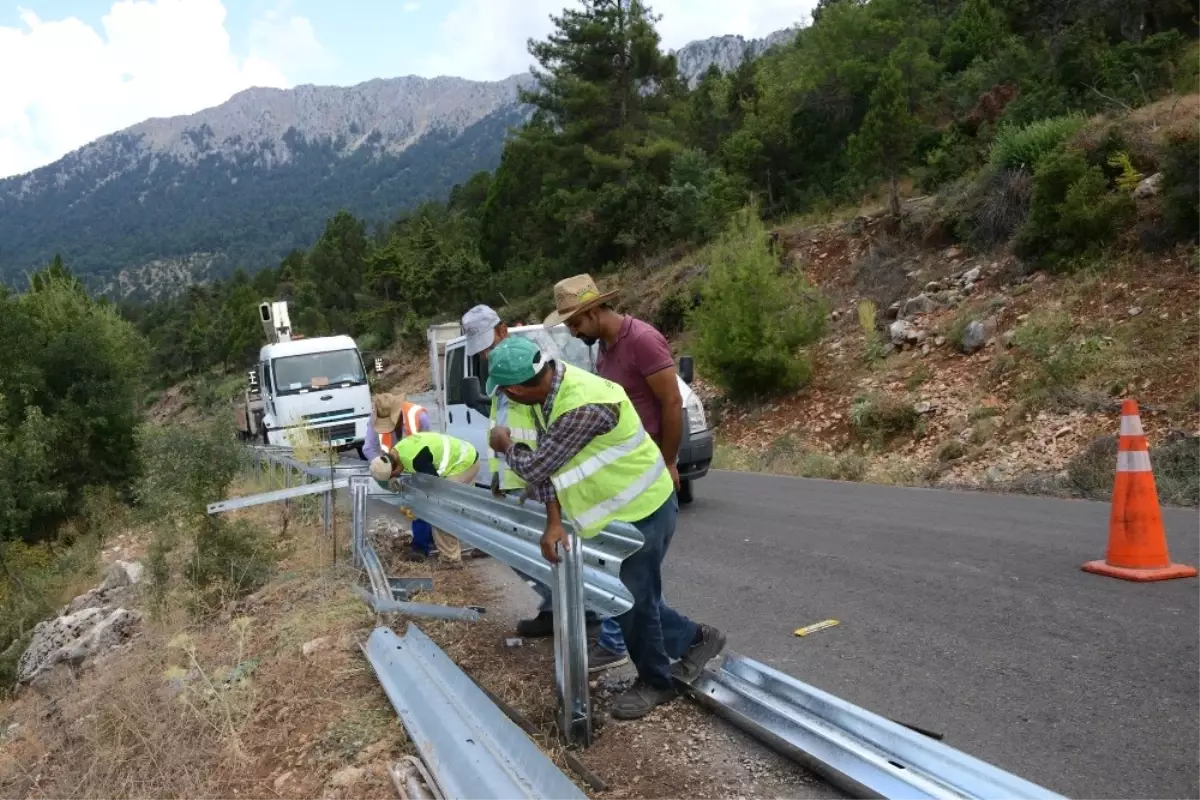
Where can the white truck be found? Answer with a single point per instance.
(462, 409)
(317, 384)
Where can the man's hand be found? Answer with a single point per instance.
(674, 470)
(500, 439)
(555, 535)
(496, 491)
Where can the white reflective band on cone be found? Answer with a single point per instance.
(1138, 461)
(1131, 426)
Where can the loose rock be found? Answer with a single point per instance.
(1150, 187)
(974, 337)
(311, 648)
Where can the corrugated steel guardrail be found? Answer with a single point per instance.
(857, 750)
(512, 532)
(472, 749)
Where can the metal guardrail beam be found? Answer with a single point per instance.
(235, 503)
(511, 533)
(428, 610)
(472, 749)
(859, 751)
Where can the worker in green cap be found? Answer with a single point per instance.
(430, 453)
(595, 464)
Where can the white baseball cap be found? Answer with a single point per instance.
(479, 325)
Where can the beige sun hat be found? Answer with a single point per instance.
(387, 411)
(574, 295)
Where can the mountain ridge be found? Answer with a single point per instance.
(166, 202)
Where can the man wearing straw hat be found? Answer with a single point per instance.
(393, 417)
(594, 464)
(633, 355)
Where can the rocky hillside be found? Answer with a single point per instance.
(150, 209)
(725, 52)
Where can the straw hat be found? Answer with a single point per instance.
(576, 294)
(388, 408)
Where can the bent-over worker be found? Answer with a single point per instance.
(594, 464)
(391, 418)
(430, 454)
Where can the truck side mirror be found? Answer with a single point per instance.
(473, 396)
(687, 369)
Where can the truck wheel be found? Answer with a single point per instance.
(685, 492)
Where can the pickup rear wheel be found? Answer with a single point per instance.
(685, 491)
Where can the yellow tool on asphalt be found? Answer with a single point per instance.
(816, 626)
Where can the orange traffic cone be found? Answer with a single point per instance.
(1137, 543)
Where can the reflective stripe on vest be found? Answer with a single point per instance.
(619, 475)
(519, 420)
(452, 456)
(412, 418)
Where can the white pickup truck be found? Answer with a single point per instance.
(462, 411)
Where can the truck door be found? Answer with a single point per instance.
(463, 422)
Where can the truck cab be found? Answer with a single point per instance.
(315, 384)
(462, 413)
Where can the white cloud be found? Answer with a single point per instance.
(68, 83)
(485, 39)
(408, 8)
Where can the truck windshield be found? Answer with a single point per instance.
(559, 342)
(318, 370)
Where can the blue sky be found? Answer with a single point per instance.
(90, 67)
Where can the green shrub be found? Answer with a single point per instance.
(1176, 463)
(1072, 212)
(1026, 146)
(881, 418)
(950, 450)
(185, 469)
(752, 320)
(786, 456)
(1181, 183)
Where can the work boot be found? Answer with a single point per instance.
(710, 642)
(639, 700)
(543, 625)
(540, 626)
(601, 658)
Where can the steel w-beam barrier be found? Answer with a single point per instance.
(471, 748)
(221, 506)
(861, 752)
(512, 533)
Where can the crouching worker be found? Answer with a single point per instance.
(594, 464)
(430, 454)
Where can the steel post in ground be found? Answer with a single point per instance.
(287, 484)
(327, 511)
(570, 646)
(358, 517)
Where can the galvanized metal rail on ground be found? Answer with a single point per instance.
(856, 750)
(472, 749)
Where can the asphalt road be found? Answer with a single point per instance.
(965, 613)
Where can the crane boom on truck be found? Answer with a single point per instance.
(316, 385)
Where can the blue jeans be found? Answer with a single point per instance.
(609, 638)
(422, 533)
(654, 632)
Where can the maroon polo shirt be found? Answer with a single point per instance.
(640, 350)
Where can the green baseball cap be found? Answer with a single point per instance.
(513, 361)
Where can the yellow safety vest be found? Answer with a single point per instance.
(450, 456)
(619, 475)
(519, 420)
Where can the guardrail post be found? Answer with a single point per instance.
(327, 511)
(358, 517)
(570, 646)
(287, 483)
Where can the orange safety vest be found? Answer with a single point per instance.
(410, 416)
